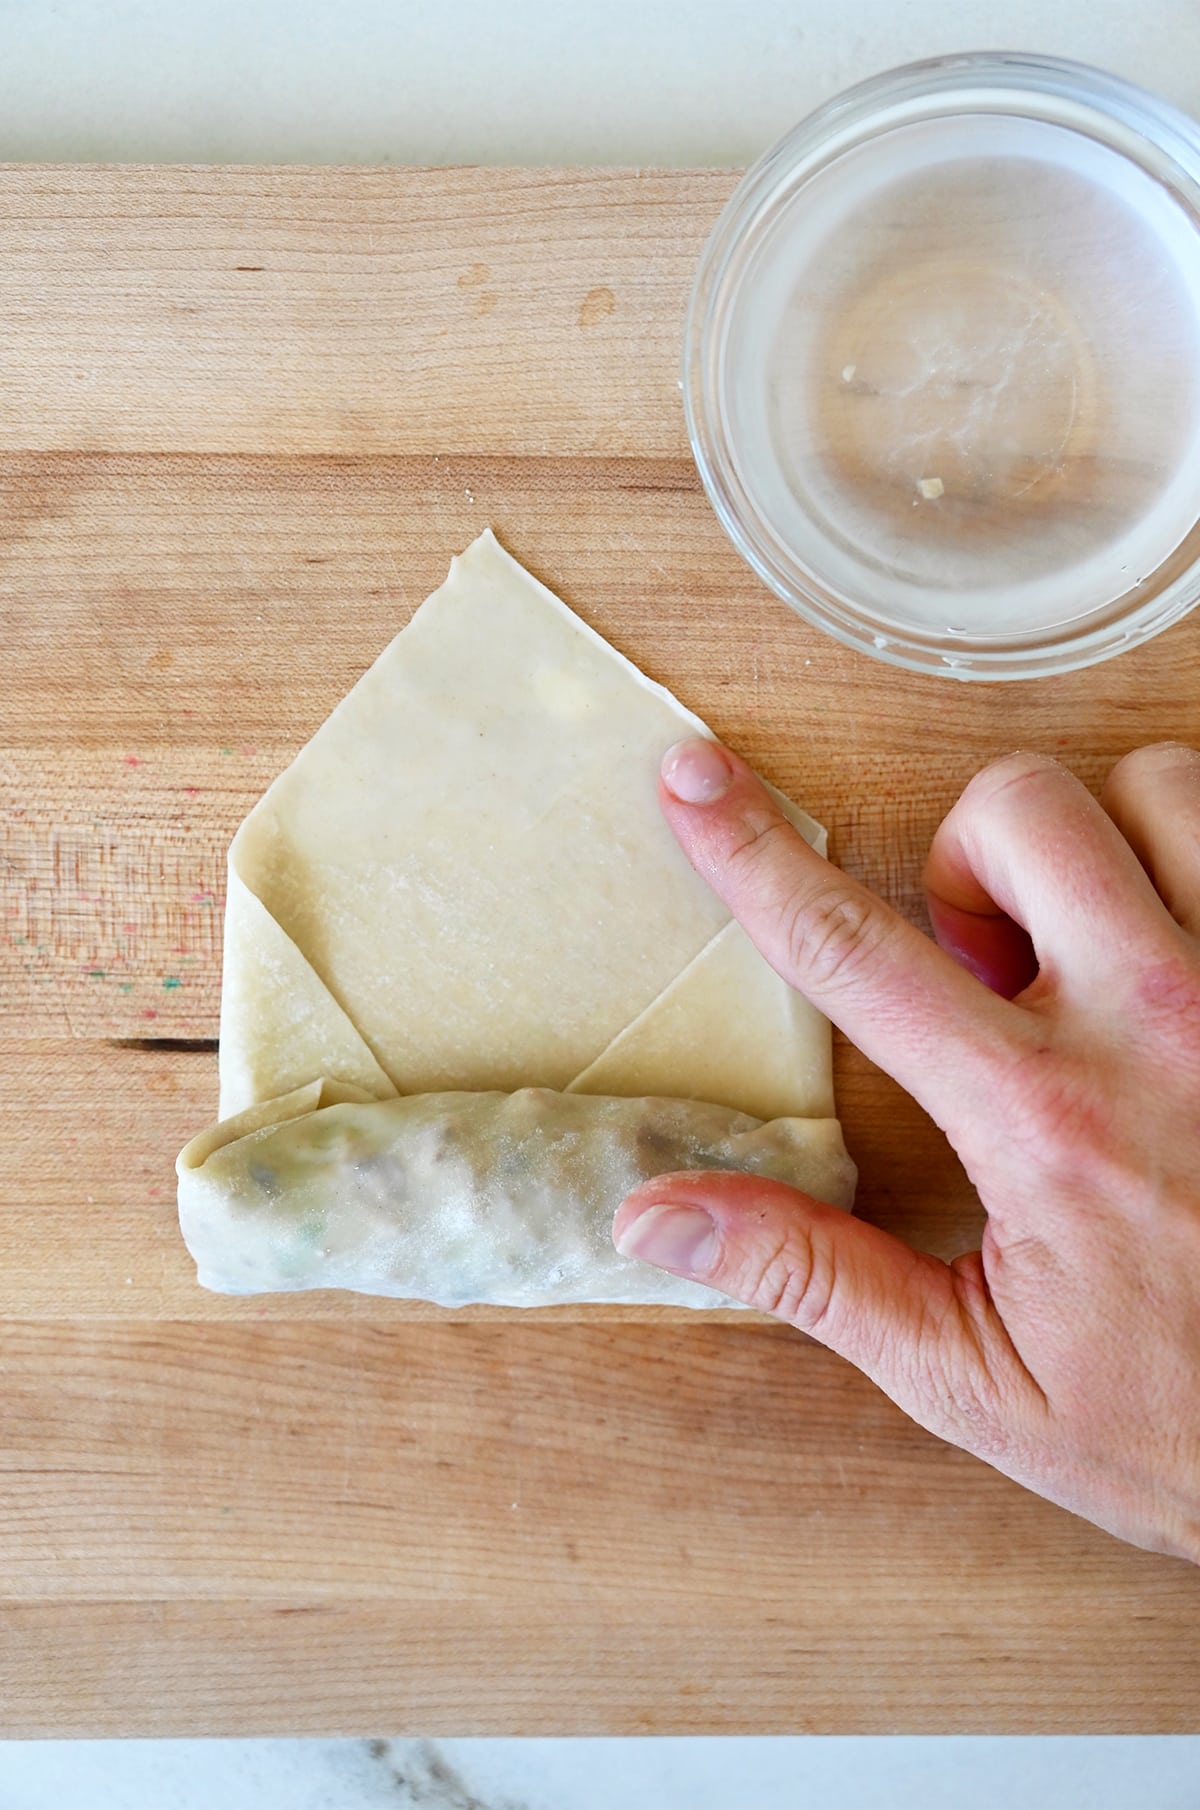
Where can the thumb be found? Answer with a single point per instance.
(925, 1331)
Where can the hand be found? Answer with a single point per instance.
(1065, 1352)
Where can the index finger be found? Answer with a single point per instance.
(908, 1006)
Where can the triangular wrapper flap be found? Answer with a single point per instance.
(727, 1030)
(279, 1022)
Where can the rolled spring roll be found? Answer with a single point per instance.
(467, 1197)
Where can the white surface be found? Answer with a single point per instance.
(526, 81)
(505, 81)
(786, 1774)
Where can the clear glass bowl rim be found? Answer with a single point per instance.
(1139, 123)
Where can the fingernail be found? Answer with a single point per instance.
(683, 1239)
(696, 771)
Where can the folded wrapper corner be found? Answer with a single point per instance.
(473, 992)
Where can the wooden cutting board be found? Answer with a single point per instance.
(246, 416)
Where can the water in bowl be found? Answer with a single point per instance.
(962, 377)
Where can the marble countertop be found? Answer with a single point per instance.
(821, 1773)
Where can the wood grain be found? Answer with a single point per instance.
(310, 311)
(534, 1528)
(245, 418)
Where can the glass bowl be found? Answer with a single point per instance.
(942, 366)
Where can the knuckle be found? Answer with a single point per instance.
(1077, 1136)
(764, 837)
(1147, 766)
(830, 935)
(825, 929)
(1049, 1107)
(791, 1282)
(1026, 800)
(1166, 992)
(1019, 773)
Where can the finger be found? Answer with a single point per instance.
(972, 928)
(986, 943)
(1153, 797)
(912, 1009)
(1026, 839)
(937, 1347)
